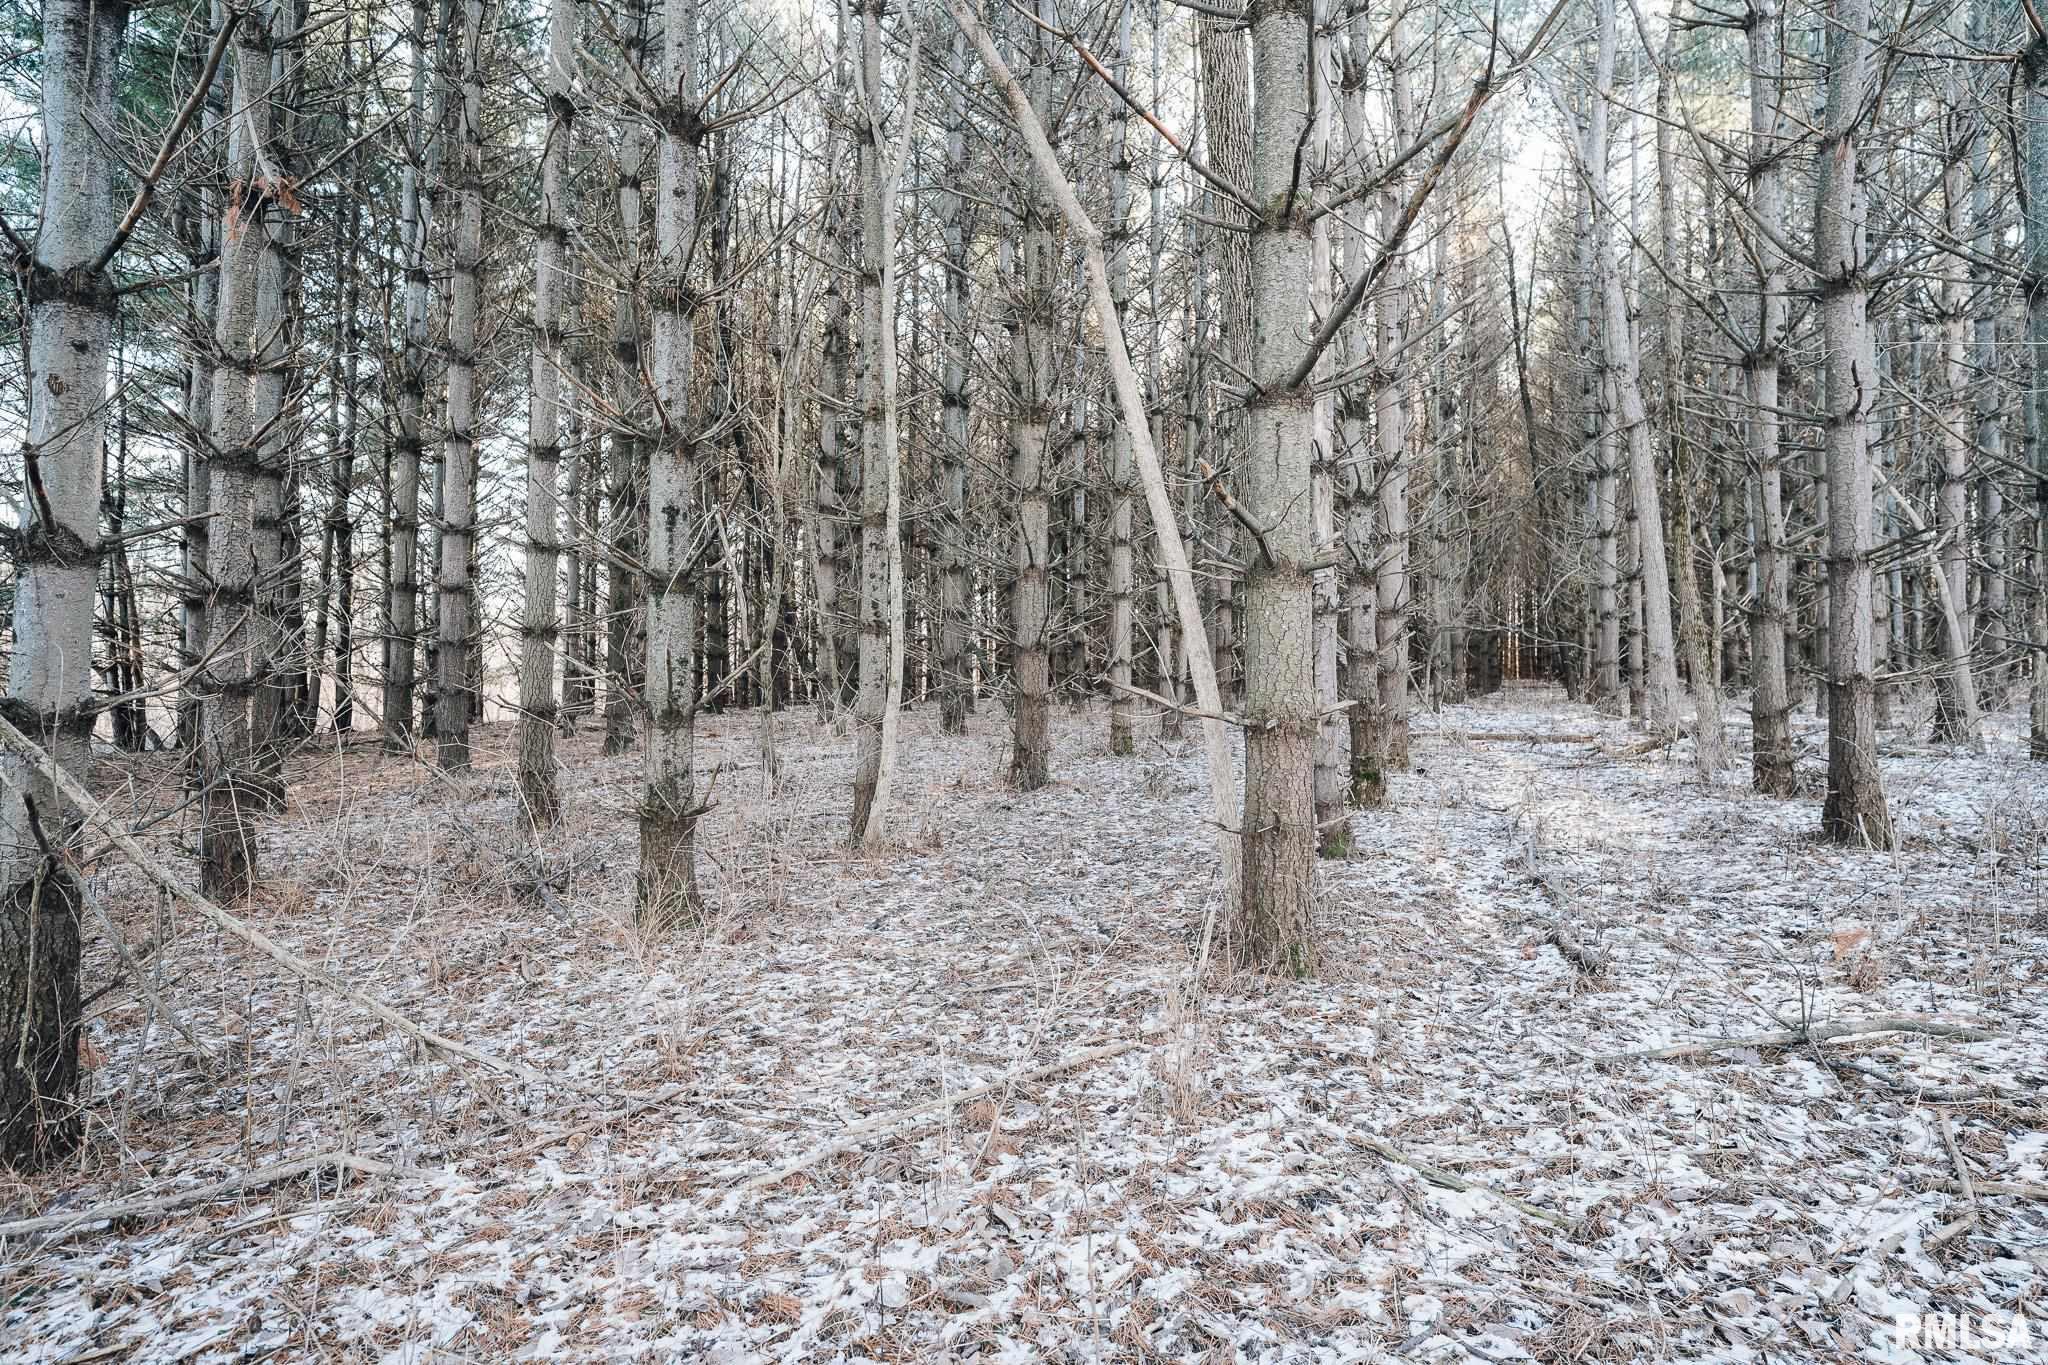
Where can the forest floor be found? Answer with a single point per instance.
(1241, 1181)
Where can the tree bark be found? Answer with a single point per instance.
(540, 621)
(955, 415)
(1031, 372)
(1855, 811)
(881, 607)
(71, 313)
(1275, 926)
(452, 687)
(1771, 758)
(668, 893)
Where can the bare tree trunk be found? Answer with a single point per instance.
(1031, 372)
(1121, 474)
(1987, 238)
(1855, 811)
(1955, 698)
(1709, 743)
(539, 626)
(2034, 176)
(1618, 351)
(1275, 928)
(1771, 762)
(1333, 829)
(452, 692)
(227, 835)
(1394, 428)
(1226, 111)
(71, 315)
(668, 892)
(1356, 406)
(956, 427)
(273, 572)
(830, 538)
(203, 247)
(401, 645)
(881, 563)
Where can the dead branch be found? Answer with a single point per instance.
(64, 1224)
(2017, 1189)
(901, 1120)
(95, 816)
(1812, 1033)
(1437, 1176)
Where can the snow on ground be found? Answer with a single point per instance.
(1217, 1192)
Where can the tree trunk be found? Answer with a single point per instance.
(539, 626)
(955, 418)
(71, 312)
(2034, 176)
(1275, 929)
(1771, 760)
(881, 562)
(668, 893)
(227, 836)
(452, 687)
(1031, 372)
(1855, 811)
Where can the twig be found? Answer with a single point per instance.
(67, 1223)
(1437, 1176)
(1812, 1033)
(1955, 1155)
(1873, 1258)
(888, 1125)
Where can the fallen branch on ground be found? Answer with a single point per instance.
(1812, 1033)
(1438, 1176)
(95, 816)
(898, 1121)
(1590, 962)
(2018, 1189)
(66, 1223)
(1512, 736)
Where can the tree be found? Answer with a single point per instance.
(668, 892)
(72, 307)
(452, 692)
(1855, 811)
(539, 626)
(1275, 929)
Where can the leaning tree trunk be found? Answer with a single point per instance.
(1275, 929)
(1770, 707)
(71, 310)
(1618, 352)
(1708, 738)
(668, 809)
(452, 684)
(1855, 811)
(539, 626)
